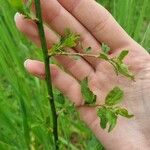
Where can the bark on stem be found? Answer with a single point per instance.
(47, 69)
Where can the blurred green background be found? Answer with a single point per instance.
(24, 111)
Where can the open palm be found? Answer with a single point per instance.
(96, 25)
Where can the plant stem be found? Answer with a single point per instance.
(74, 54)
(47, 69)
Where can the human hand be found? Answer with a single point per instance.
(96, 26)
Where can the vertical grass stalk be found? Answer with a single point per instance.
(47, 69)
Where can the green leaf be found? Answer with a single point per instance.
(105, 48)
(114, 96)
(107, 116)
(70, 39)
(123, 69)
(123, 112)
(122, 55)
(88, 95)
(112, 119)
(58, 47)
(104, 56)
(18, 5)
(102, 115)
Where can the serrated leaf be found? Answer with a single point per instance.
(123, 112)
(114, 96)
(105, 48)
(122, 55)
(112, 119)
(17, 4)
(102, 115)
(88, 95)
(70, 39)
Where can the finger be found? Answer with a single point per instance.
(71, 88)
(103, 26)
(60, 19)
(78, 68)
(61, 80)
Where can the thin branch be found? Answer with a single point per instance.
(73, 54)
(47, 70)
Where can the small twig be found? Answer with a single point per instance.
(73, 54)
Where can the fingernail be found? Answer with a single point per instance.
(26, 63)
(16, 15)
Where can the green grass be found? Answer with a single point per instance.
(24, 111)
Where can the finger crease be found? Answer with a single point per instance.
(101, 24)
(74, 5)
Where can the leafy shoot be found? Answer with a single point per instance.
(70, 40)
(108, 112)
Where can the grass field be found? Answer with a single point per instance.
(24, 111)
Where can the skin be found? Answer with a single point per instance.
(96, 25)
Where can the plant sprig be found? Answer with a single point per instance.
(110, 111)
(70, 40)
